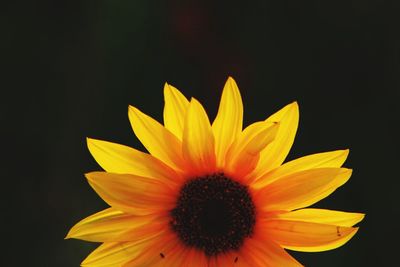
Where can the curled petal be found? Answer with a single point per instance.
(273, 156)
(244, 153)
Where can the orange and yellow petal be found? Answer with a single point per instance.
(243, 155)
(229, 120)
(121, 159)
(198, 140)
(175, 109)
(107, 225)
(301, 189)
(160, 142)
(323, 216)
(132, 194)
(332, 159)
(273, 156)
(307, 236)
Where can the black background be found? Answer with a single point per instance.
(72, 67)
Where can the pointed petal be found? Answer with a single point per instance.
(333, 159)
(132, 194)
(198, 139)
(175, 109)
(228, 123)
(266, 253)
(107, 225)
(306, 236)
(323, 216)
(160, 142)
(243, 154)
(273, 155)
(302, 189)
(118, 158)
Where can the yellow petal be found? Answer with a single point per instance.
(117, 158)
(228, 123)
(306, 236)
(160, 142)
(323, 216)
(175, 109)
(332, 159)
(273, 155)
(132, 194)
(113, 254)
(198, 139)
(266, 253)
(243, 154)
(302, 189)
(107, 225)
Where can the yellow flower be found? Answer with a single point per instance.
(212, 194)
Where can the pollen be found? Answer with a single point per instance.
(213, 213)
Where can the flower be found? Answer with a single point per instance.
(212, 194)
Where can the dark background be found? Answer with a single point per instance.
(72, 68)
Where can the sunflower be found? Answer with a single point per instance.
(212, 194)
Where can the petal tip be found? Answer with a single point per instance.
(90, 141)
(347, 170)
(167, 88)
(293, 106)
(89, 176)
(230, 79)
(361, 217)
(194, 101)
(131, 108)
(71, 233)
(68, 236)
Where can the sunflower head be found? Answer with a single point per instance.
(212, 194)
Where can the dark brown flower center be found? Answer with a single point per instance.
(213, 213)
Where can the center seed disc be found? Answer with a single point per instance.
(213, 213)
